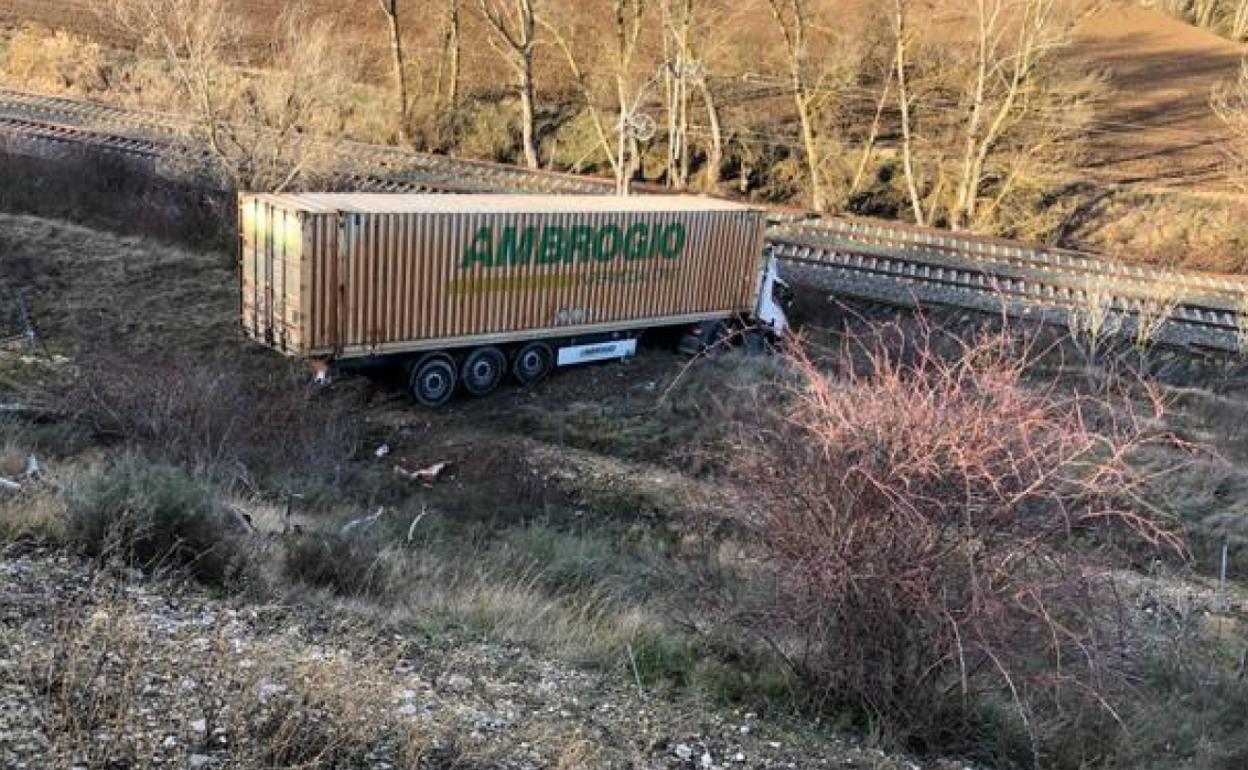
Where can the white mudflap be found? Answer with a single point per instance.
(598, 351)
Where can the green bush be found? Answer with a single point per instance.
(155, 516)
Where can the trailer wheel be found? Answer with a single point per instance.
(432, 380)
(483, 370)
(532, 363)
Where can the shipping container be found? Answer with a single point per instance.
(343, 276)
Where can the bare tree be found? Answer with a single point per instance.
(715, 153)
(633, 126)
(265, 129)
(514, 26)
(679, 73)
(587, 93)
(986, 114)
(195, 37)
(449, 67)
(792, 19)
(1013, 39)
(902, 39)
(391, 10)
(631, 85)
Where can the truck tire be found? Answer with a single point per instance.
(532, 363)
(432, 380)
(483, 370)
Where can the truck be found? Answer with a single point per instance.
(464, 290)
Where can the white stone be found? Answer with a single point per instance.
(683, 751)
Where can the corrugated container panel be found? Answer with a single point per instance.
(359, 274)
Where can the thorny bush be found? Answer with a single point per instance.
(925, 514)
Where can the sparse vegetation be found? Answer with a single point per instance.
(155, 517)
(919, 511)
(1226, 17)
(803, 139)
(904, 534)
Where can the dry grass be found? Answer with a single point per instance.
(90, 679)
(39, 515)
(57, 61)
(107, 666)
(36, 512)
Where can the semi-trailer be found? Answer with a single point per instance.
(464, 289)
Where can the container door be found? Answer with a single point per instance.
(257, 285)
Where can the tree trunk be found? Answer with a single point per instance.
(594, 113)
(682, 180)
(794, 34)
(684, 62)
(968, 185)
(527, 113)
(516, 36)
(391, 9)
(903, 103)
(868, 148)
(450, 64)
(811, 144)
(715, 158)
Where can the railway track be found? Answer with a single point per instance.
(868, 259)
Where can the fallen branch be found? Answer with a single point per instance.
(411, 529)
(361, 523)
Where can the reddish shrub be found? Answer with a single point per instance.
(925, 515)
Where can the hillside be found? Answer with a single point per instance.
(1154, 125)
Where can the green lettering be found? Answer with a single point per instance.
(481, 250)
(579, 245)
(674, 238)
(608, 242)
(637, 241)
(656, 241)
(515, 251)
(551, 250)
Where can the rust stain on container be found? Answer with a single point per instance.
(351, 275)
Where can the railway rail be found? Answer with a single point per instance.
(869, 259)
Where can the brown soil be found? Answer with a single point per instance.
(1155, 125)
(89, 17)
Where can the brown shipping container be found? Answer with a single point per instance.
(350, 275)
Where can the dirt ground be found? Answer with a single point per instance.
(1155, 125)
(88, 16)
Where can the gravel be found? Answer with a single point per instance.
(490, 704)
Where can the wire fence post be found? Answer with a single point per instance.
(27, 328)
(1222, 603)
